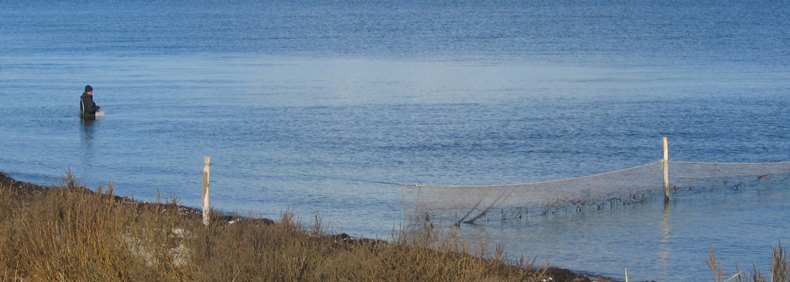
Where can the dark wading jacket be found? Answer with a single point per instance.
(87, 107)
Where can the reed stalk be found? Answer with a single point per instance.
(780, 269)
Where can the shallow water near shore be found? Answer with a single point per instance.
(317, 107)
(687, 228)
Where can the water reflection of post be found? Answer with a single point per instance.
(86, 138)
(663, 249)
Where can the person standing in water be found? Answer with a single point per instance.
(88, 108)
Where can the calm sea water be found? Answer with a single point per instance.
(314, 106)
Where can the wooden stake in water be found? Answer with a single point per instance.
(665, 168)
(626, 275)
(206, 176)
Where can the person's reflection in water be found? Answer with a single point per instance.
(86, 137)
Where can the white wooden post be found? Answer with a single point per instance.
(206, 176)
(665, 168)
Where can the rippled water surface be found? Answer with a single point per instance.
(315, 106)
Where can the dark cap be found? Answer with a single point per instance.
(88, 88)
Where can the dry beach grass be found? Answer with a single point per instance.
(71, 233)
(780, 269)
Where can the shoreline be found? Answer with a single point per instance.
(30, 191)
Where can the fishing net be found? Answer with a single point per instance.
(467, 204)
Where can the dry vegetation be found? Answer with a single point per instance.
(71, 233)
(780, 269)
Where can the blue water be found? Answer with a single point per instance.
(313, 106)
